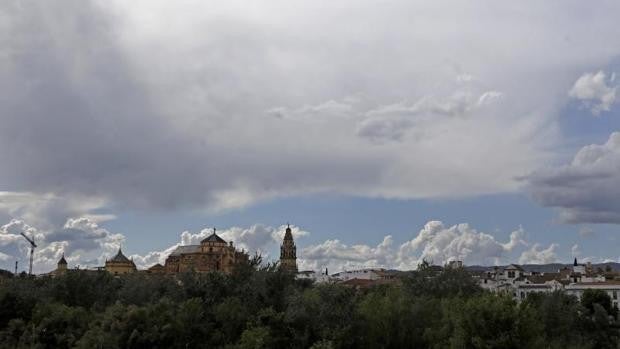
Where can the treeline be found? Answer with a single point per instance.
(260, 307)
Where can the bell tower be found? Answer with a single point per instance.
(61, 266)
(288, 252)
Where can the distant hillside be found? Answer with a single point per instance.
(545, 268)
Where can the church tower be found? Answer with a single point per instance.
(61, 266)
(288, 252)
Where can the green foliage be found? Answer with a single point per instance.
(449, 283)
(592, 297)
(58, 325)
(255, 338)
(257, 306)
(492, 321)
(391, 319)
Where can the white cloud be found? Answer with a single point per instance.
(489, 97)
(14, 245)
(593, 90)
(575, 250)
(148, 260)
(336, 256)
(392, 122)
(517, 239)
(465, 78)
(586, 232)
(586, 190)
(537, 255)
(435, 242)
(323, 112)
(84, 234)
(82, 240)
(460, 242)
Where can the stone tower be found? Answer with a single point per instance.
(61, 266)
(288, 252)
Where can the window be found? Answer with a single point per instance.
(615, 295)
(511, 274)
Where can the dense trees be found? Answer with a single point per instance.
(260, 307)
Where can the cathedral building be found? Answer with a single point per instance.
(213, 254)
(61, 267)
(288, 252)
(120, 264)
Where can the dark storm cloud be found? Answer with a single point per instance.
(151, 105)
(588, 189)
(75, 119)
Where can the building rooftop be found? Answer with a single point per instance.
(514, 267)
(365, 283)
(120, 258)
(541, 279)
(533, 286)
(358, 271)
(213, 238)
(185, 249)
(594, 283)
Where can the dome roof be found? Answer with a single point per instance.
(120, 258)
(213, 238)
(62, 260)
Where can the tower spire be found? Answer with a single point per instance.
(288, 251)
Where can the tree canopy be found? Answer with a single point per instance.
(261, 307)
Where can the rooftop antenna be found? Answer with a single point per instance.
(32, 247)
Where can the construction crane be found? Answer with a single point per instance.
(32, 247)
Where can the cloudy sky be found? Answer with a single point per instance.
(384, 132)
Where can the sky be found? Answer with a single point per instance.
(385, 133)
